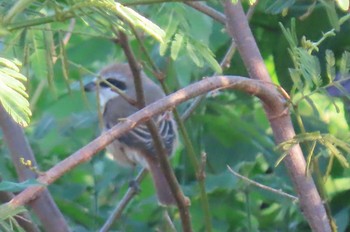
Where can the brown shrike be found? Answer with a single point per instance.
(136, 146)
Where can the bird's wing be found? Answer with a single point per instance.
(141, 139)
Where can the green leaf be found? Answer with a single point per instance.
(176, 45)
(331, 13)
(209, 57)
(169, 33)
(221, 182)
(199, 52)
(49, 47)
(309, 68)
(343, 4)
(330, 65)
(194, 55)
(344, 66)
(139, 21)
(7, 211)
(13, 96)
(277, 6)
(38, 56)
(290, 34)
(8, 186)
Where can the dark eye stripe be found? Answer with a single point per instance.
(119, 84)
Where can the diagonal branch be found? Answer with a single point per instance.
(273, 101)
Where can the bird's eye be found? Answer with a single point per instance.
(119, 84)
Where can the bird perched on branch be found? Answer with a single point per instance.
(136, 146)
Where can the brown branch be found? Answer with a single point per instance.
(310, 202)
(211, 12)
(130, 100)
(43, 205)
(181, 201)
(273, 101)
(117, 212)
(135, 69)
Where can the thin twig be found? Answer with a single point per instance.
(216, 15)
(170, 224)
(117, 212)
(267, 188)
(120, 92)
(183, 132)
(181, 200)
(203, 164)
(135, 69)
(251, 10)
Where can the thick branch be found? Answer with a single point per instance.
(238, 28)
(272, 101)
(43, 206)
(310, 202)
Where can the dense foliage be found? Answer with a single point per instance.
(305, 45)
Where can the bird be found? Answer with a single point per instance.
(136, 146)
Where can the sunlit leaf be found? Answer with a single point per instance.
(7, 211)
(330, 65)
(343, 4)
(193, 54)
(139, 21)
(13, 96)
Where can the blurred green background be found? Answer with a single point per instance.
(230, 127)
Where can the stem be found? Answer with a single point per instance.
(117, 212)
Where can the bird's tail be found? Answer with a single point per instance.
(165, 196)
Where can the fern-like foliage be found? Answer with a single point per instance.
(7, 221)
(178, 39)
(306, 76)
(306, 73)
(13, 96)
(335, 148)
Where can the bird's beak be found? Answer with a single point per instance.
(89, 87)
